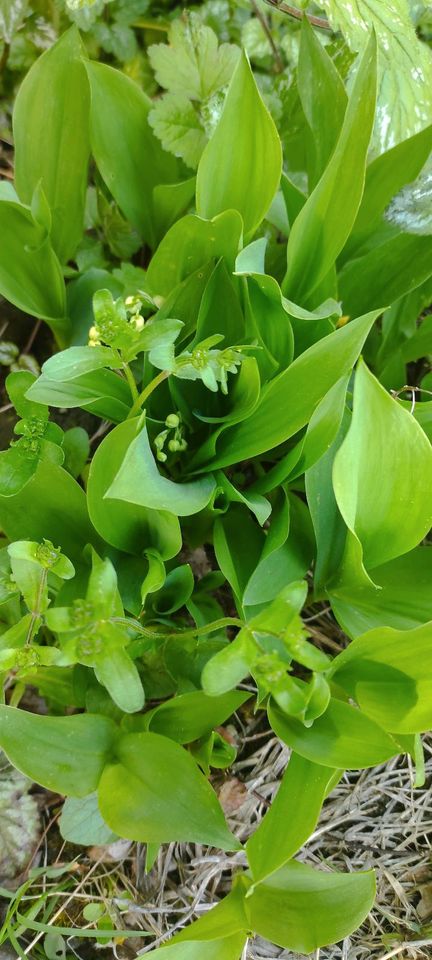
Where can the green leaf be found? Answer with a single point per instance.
(139, 482)
(303, 909)
(329, 528)
(52, 506)
(341, 737)
(189, 244)
(382, 476)
(403, 599)
(388, 672)
(128, 155)
(30, 273)
(17, 384)
(285, 406)
(193, 715)
(63, 754)
(193, 63)
(290, 820)
(125, 525)
(51, 135)
(322, 96)
(101, 391)
(385, 176)
(386, 272)
(137, 799)
(323, 225)
(228, 948)
(177, 125)
(76, 448)
(241, 165)
(81, 822)
(76, 361)
(405, 99)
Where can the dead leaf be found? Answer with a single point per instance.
(232, 795)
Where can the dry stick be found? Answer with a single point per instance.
(63, 907)
(300, 14)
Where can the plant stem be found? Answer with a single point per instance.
(131, 381)
(35, 614)
(299, 14)
(142, 397)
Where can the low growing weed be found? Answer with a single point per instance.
(240, 333)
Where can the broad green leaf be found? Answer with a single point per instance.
(382, 475)
(389, 673)
(403, 600)
(322, 96)
(139, 482)
(342, 737)
(323, 225)
(286, 555)
(241, 165)
(291, 818)
(17, 384)
(30, 273)
(193, 63)
(285, 406)
(171, 201)
(125, 525)
(193, 715)
(76, 361)
(76, 448)
(386, 272)
(329, 528)
(64, 754)
(51, 136)
(53, 506)
(102, 392)
(228, 948)
(303, 909)
(385, 176)
(189, 244)
(138, 800)
(405, 98)
(81, 822)
(128, 155)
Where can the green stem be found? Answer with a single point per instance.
(131, 381)
(142, 397)
(137, 647)
(36, 613)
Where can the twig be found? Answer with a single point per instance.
(32, 337)
(265, 25)
(300, 14)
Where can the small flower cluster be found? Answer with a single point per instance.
(209, 365)
(176, 443)
(117, 322)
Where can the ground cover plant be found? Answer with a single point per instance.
(242, 335)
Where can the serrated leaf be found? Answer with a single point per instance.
(405, 64)
(193, 63)
(176, 123)
(11, 16)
